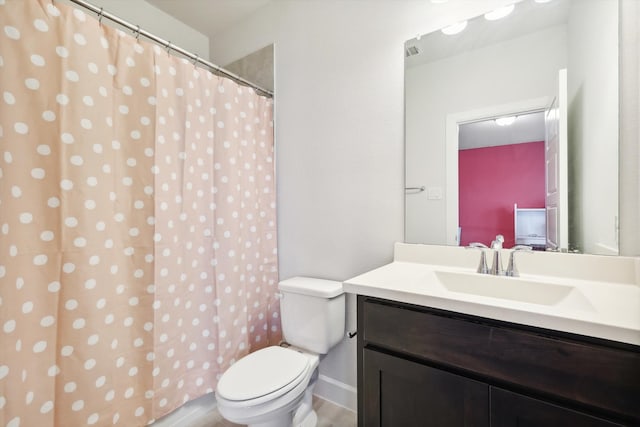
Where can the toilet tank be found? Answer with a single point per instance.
(313, 313)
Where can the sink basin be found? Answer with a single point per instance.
(514, 289)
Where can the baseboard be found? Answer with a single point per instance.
(336, 392)
(198, 412)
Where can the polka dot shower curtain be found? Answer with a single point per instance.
(137, 223)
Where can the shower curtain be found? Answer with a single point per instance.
(137, 223)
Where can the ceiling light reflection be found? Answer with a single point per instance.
(499, 13)
(455, 28)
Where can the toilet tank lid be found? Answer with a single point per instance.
(310, 286)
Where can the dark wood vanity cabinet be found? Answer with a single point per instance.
(419, 366)
(405, 393)
(513, 409)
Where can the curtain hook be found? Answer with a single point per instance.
(196, 59)
(100, 14)
(137, 32)
(168, 47)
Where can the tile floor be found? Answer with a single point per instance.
(329, 415)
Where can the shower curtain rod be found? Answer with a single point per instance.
(168, 45)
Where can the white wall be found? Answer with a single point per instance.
(593, 125)
(514, 70)
(339, 131)
(157, 22)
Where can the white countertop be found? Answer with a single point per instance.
(596, 305)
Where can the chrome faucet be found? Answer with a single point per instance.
(496, 245)
(482, 267)
(496, 268)
(511, 268)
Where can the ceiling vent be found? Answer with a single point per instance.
(411, 51)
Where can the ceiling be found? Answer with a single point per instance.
(209, 17)
(527, 17)
(528, 127)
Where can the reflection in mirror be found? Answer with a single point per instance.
(457, 85)
(501, 179)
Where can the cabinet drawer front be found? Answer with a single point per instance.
(399, 392)
(590, 374)
(511, 409)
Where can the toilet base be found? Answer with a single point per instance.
(283, 420)
(311, 420)
(303, 416)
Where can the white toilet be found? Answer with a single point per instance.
(273, 387)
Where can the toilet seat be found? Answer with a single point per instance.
(263, 375)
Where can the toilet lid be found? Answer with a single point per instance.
(263, 372)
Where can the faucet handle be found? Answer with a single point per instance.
(477, 245)
(482, 267)
(511, 268)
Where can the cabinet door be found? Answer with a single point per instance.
(510, 409)
(399, 392)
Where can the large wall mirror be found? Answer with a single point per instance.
(512, 128)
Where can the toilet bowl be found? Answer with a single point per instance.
(267, 388)
(273, 387)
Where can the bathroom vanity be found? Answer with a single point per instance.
(434, 352)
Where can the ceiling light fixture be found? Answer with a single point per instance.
(499, 13)
(455, 28)
(542, 1)
(505, 121)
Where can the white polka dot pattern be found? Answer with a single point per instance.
(137, 223)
